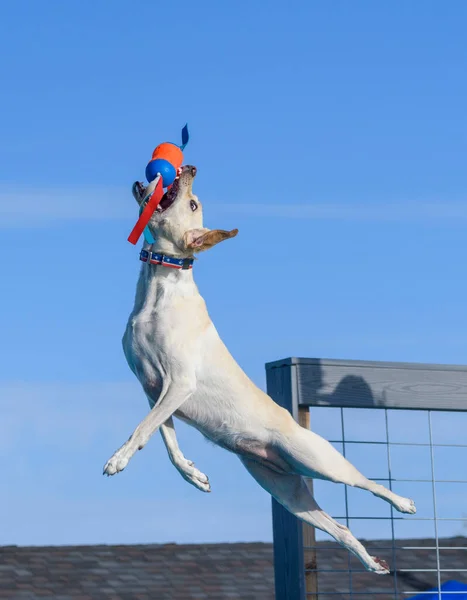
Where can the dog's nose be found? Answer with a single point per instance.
(189, 169)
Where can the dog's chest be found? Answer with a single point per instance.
(168, 318)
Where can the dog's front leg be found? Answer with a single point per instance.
(185, 467)
(170, 400)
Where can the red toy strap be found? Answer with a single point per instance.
(145, 216)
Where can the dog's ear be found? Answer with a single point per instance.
(141, 192)
(203, 239)
(136, 191)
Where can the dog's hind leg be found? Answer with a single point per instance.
(293, 493)
(312, 456)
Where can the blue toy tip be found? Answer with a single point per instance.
(185, 136)
(148, 236)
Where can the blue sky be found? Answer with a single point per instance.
(333, 135)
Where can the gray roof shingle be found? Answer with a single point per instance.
(212, 571)
(162, 572)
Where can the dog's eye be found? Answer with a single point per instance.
(193, 205)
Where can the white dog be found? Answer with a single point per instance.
(174, 350)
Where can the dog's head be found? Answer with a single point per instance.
(177, 223)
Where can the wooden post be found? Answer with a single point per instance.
(309, 532)
(289, 566)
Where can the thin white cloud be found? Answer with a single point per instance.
(29, 207)
(71, 413)
(388, 212)
(54, 440)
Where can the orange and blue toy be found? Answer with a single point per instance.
(164, 166)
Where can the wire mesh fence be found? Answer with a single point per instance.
(420, 454)
(403, 425)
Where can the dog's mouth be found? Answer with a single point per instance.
(170, 195)
(167, 199)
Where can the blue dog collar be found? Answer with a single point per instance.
(155, 258)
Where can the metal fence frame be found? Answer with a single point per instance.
(300, 383)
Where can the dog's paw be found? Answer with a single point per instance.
(379, 566)
(411, 509)
(116, 464)
(405, 505)
(193, 475)
(200, 481)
